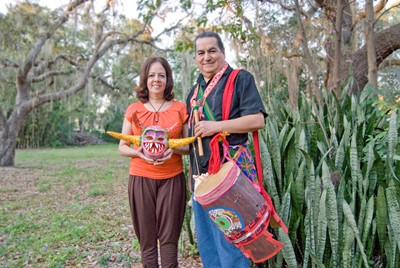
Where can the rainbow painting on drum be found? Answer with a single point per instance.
(228, 220)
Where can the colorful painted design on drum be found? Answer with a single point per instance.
(226, 219)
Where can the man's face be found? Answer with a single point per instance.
(209, 57)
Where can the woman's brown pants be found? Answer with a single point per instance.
(157, 211)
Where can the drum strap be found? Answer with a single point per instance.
(214, 162)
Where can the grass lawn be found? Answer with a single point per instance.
(69, 208)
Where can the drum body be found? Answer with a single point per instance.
(239, 211)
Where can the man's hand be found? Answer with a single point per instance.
(206, 128)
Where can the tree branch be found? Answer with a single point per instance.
(22, 75)
(389, 63)
(97, 54)
(389, 41)
(288, 8)
(387, 10)
(50, 74)
(377, 8)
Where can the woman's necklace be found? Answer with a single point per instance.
(157, 110)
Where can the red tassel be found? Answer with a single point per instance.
(214, 163)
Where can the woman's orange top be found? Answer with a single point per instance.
(167, 118)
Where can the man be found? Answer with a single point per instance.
(247, 114)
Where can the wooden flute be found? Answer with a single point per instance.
(197, 119)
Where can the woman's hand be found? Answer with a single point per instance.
(166, 155)
(140, 154)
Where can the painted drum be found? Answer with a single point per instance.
(240, 211)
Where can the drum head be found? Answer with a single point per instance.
(213, 180)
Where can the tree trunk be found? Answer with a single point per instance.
(187, 61)
(292, 77)
(7, 147)
(370, 41)
(337, 50)
(386, 42)
(308, 57)
(8, 138)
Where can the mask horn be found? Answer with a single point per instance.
(174, 143)
(125, 137)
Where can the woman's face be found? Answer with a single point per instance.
(156, 80)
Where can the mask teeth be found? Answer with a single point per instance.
(153, 147)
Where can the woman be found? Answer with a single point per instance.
(157, 187)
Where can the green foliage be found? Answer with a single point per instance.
(47, 126)
(389, 90)
(147, 9)
(339, 163)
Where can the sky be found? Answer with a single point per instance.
(127, 6)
